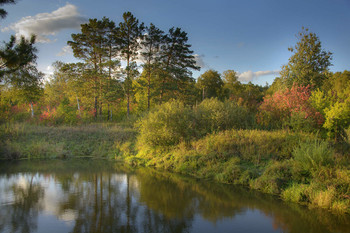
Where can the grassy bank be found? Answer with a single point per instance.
(298, 167)
(28, 141)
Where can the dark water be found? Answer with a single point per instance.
(99, 196)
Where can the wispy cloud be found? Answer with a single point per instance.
(46, 24)
(199, 61)
(65, 50)
(249, 75)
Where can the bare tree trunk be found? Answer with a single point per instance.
(95, 112)
(128, 106)
(78, 106)
(108, 112)
(128, 88)
(32, 109)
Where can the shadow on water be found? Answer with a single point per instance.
(100, 196)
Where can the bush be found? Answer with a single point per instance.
(213, 115)
(173, 122)
(166, 125)
(290, 108)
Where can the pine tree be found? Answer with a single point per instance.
(96, 46)
(129, 33)
(151, 45)
(177, 60)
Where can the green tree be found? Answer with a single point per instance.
(333, 101)
(18, 70)
(177, 59)
(112, 87)
(15, 55)
(232, 85)
(151, 44)
(309, 63)
(129, 33)
(95, 45)
(210, 84)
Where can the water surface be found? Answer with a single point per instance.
(100, 196)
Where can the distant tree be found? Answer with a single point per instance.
(3, 13)
(130, 33)
(210, 84)
(231, 84)
(308, 64)
(277, 85)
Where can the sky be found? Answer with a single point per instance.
(250, 37)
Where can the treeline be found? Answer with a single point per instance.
(128, 68)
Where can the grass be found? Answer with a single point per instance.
(26, 141)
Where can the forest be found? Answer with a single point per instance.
(132, 98)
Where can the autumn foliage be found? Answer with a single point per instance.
(290, 108)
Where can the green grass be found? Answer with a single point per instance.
(26, 141)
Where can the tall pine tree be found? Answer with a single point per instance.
(129, 33)
(177, 60)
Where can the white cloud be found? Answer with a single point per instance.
(49, 70)
(199, 61)
(45, 24)
(249, 75)
(65, 50)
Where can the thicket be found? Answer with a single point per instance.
(173, 122)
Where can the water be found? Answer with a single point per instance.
(100, 196)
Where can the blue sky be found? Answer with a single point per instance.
(249, 36)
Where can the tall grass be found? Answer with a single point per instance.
(312, 154)
(23, 141)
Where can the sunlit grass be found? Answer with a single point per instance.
(26, 141)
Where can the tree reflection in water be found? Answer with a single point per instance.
(116, 199)
(21, 212)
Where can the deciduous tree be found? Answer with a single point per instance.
(309, 63)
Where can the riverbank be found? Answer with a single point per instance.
(297, 167)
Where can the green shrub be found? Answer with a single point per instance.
(213, 115)
(173, 122)
(166, 125)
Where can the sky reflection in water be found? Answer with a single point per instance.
(99, 196)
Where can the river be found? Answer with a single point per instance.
(101, 196)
